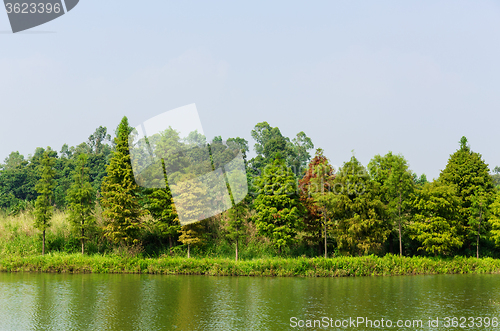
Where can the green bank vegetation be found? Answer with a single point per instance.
(302, 216)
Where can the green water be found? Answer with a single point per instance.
(142, 302)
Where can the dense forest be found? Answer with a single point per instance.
(298, 204)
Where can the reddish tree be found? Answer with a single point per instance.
(313, 217)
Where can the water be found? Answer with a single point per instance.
(150, 302)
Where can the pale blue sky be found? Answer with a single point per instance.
(410, 77)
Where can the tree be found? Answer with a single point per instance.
(120, 203)
(235, 224)
(479, 208)
(470, 175)
(495, 177)
(315, 188)
(162, 208)
(81, 200)
(435, 222)
(397, 184)
(191, 234)
(97, 141)
(44, 187)
(494, 219)
(238, 213)
(270, 141)
(277, 205)
(362, 223)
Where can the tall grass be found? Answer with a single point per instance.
(20, 247)
(285, 267)
(19, 236)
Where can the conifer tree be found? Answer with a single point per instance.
(469, 174)
(45, 187)
(120, 202)
(191, 234)
(81, 200)
(236, 225)
(162, 209)
(397, 184)
(436, 217)
(362, 223)
(494, 219)
(277, 204)
(315, 187)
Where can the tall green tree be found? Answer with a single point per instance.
(121, 207)
(479, 209)
(435, 223)
(469, 174)
(81, 201)
(162, 209)
(362, 221)
(45, 187)
(397, 184)
(277, 206)
(236, 224)
(494, 219)
(270, 141)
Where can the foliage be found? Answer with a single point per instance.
(45, 186)
(120, 203)
(81, 200)
(494, 219)
(191, 234)
(277, 206)
(315, 189)
(397, 185)
(469, 174)
(361, 217)
(162, 208)
(436, 219)
(270, 141)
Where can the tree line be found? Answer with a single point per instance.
(296, 203)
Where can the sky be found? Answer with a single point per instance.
(358, 77)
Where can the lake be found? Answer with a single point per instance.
(154, 302)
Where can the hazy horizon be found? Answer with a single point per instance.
(411, 78)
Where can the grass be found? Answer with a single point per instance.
(388, 265)
(20, 246)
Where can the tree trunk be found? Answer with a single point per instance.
(400, 242)
(236, 249)
(83, 241)
(326, 253)
(170, 241)
(189, 251)
(43, 242)
(478, 232)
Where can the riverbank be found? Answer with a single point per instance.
(388, 265)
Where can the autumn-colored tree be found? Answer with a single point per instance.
(314, 188)
(191, 235)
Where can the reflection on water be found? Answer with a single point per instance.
(147, 302)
